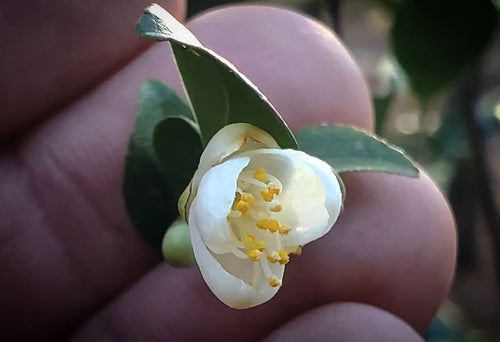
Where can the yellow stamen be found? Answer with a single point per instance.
(260, 174)
(243, 207)
(276, 209)
(273, 188)
(254, 255)
(245, 201)
(251, 244)
(297, 251)
(270, 224)
(284, 230)
(284, 258)
(280, 256)
(274, 282)
(247, 197)
(273, 257)
(268, 194)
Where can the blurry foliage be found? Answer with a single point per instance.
(488, 112)
(434, 41)
(196, 6)
(439, 332)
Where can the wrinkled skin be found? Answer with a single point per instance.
(72, 265)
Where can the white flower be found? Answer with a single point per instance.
(250, 207)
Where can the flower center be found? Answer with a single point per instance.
(256, 230)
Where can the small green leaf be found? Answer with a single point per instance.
(434, 41)
(150, 198)
(347, 149)
(218, 92)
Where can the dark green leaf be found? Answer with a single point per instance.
(434, 41)
(150, 199)
(178, 147)
(218, 92)
(347, 149)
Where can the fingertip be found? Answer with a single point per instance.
(345, 322)
(411, 232)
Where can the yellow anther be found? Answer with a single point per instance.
(284, 230)
(254, 255)
(251, 244)
(245, 201)
(273, 257)
(268, 194)
(260, 174)
(297, 251)
(280, 256)
(274, 282)
(284, 258)
(274, 189)
(276, 209)
(242, 207)
(270, 224)
(247, 197)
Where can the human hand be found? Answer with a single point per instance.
(72, 264)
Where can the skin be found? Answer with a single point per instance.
(76, 268)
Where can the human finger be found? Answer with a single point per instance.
(346, 322)
(86, 136)
(58, 50)
(373, 255)
(386, 251)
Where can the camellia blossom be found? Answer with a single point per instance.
(251, 207)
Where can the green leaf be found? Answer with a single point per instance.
(218, 92)
(178, 148)
(347, 149)
(150, 197)
(434, 41)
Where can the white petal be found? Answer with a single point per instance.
(323, 171)
(212, 204)
(230, 139)
(231, 290)
(311, 197)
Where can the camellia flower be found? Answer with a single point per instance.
(251, 206)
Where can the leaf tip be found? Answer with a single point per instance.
(158, 24)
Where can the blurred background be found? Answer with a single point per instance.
(434, 69)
